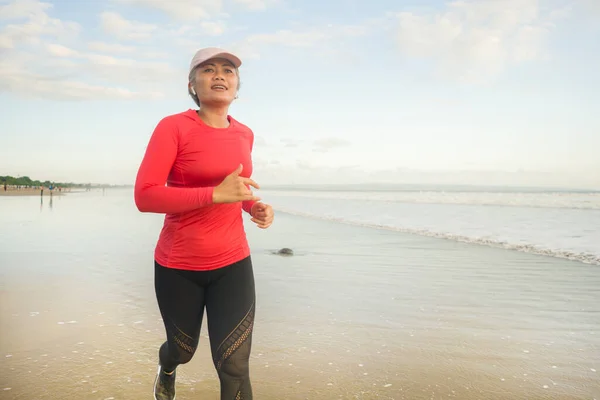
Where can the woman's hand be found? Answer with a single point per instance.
(262, 215)
(235, 188)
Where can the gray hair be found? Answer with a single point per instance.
(192, 80)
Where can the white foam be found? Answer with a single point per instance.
(553, 223)
(584, 257)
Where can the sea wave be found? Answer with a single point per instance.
(587, 258)
(585, 201)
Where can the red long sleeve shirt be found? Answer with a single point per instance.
(192, 158)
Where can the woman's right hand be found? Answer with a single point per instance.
(235, 188)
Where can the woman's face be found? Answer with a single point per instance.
(216, 82)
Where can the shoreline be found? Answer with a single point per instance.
(30, 192)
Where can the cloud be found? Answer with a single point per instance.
(196, 10)
(215, 28)
(113, 69)
(322, 41)
(182, 10)
(116, 48)
(260, 141)
(331, 143)
(104, 47)
(36, 25)
(61, 51)
(306, 38)
(289, 142)
(590, 7)
(187, 37)
(475, 40)
(41, 57)
(257, 5)
(190, 37)
(60, 87)
(23, 9)
(114, 24)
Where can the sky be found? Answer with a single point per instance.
(503, 92)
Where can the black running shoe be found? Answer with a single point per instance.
(164, 385)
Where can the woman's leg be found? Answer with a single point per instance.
(230, 303)
(180, 298)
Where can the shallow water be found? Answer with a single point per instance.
(357, 313)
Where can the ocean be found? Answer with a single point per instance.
(557, 223)
(393, 293)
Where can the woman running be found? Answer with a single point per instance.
(202, 258)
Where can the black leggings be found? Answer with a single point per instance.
(229, 297)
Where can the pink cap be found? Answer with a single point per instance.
(207, 53)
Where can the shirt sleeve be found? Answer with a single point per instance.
(150, 192)
(247, 204)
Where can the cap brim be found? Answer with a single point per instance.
(229, 57)
(203, 56)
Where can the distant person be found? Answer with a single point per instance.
(202, 258)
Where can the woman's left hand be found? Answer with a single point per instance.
(262, 215)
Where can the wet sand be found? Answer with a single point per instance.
(30, 192)
(357, 313)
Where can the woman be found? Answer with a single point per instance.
(202, 258)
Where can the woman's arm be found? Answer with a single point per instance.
(150, 192)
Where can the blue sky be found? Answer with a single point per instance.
(342, 91)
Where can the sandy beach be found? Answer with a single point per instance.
(357, 313)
